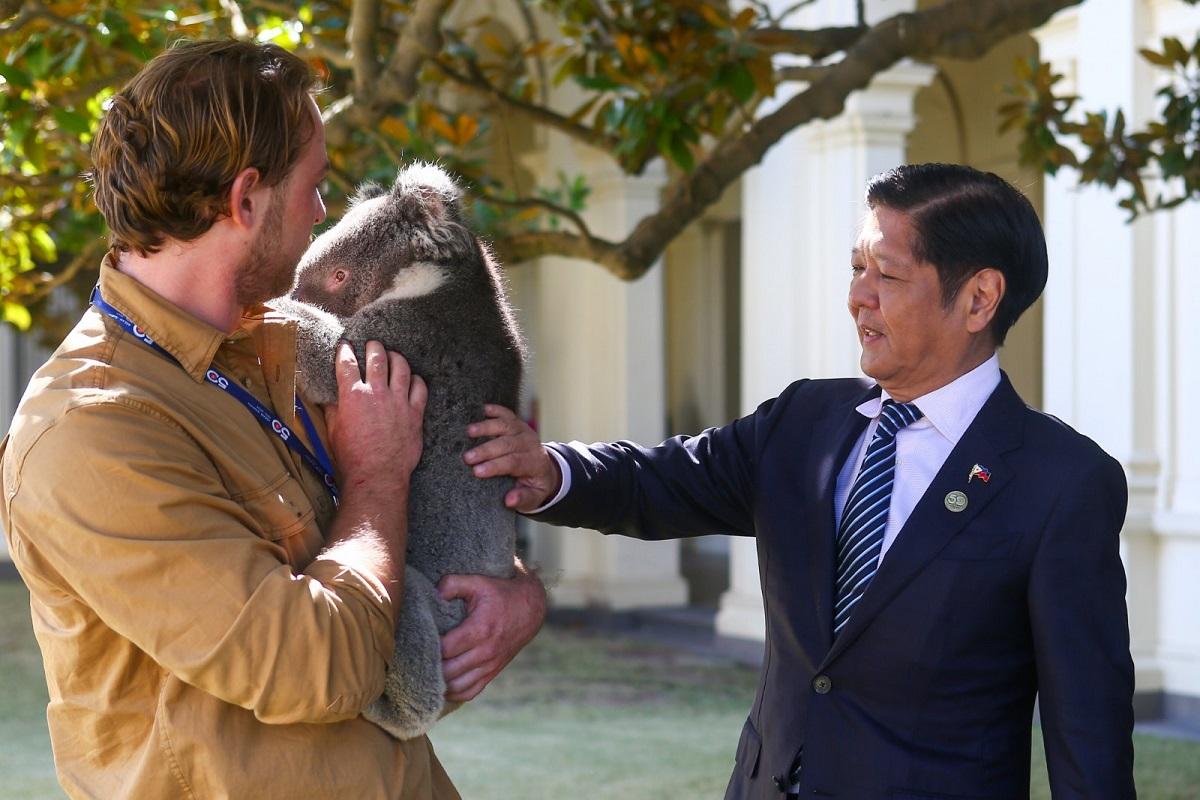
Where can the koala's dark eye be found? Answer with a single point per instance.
(339, 275)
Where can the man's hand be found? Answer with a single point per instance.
(515, 451)
(375, 428)
(502, 617)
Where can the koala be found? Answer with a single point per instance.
(402, 267)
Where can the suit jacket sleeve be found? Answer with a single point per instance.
(686, 486)
(1081, 639)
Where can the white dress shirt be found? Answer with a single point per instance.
(922, 447)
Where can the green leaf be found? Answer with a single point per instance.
(72, 121)
(681, 154)
(597, 83)
(71, 63)
(15, 75)
(738, 81)
(37, 60)
(1155, 58)
(1174, 50)
(16, 315)
(42, 245)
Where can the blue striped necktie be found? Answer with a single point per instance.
(864, 519)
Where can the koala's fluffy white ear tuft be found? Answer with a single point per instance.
(437, 191)
(365, 191)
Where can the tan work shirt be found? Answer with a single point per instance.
(194, 642)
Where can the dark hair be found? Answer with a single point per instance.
(176, 136)
(965, 220)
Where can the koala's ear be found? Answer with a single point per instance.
(365, 191)
(437, 194)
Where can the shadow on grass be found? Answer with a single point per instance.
(575, 715)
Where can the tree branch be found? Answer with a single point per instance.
(397, 83)
(85, 257)
(360, 39)
(538, 202)
(237, 22)
(816, 44)
(328, 52)
(802, 74)
(957, 28)
(288, 10)
(536, 113)
(526, 246)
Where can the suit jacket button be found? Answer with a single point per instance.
(822, 684)
(780, 784)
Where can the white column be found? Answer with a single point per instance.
(1114, 340)
(1172, 329)
(801, 212)
(602, 376)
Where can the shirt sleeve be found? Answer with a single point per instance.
(564, 485)
(122, 508)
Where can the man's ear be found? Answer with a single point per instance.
(248, 199)
(982, 294)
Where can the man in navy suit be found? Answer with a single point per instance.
(934, 555)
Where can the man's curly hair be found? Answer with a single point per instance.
(176, 136)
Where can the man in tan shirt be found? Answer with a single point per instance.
(211, 622)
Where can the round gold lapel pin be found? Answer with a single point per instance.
(956, 501)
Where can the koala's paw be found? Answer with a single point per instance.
(414, 690)
(317, 336)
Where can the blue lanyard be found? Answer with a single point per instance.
(320, 463)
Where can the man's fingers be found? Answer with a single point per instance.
(524, 499)
(497, 426)
(519, 465)
(498, 412)
(453, 587)
(377, 364)
(399, 377)
(418, 393)
(468, 687)
(346, 367)
(521, 443)
(460, 641)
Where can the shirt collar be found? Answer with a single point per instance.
(953, 407)
(191, 341)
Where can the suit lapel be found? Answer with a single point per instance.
(835, 435)
(995, 431)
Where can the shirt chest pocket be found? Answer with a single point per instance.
(280, 509)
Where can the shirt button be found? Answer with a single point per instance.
(822, 684)
(247, 382)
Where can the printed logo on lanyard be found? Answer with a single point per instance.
(215, 377)
(284, 432)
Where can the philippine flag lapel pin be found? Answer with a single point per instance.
(979, 471)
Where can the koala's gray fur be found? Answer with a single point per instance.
(417, 279)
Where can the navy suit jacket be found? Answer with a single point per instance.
(929, 690)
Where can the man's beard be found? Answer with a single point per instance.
(267, 271)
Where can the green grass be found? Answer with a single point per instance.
(576, 715)
(26, 768)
